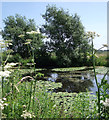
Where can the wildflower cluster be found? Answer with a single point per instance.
(2, 103)
(6, 72)
(92, 35)
(106, 103)
(5, 43)
(26, 115)
(28, 41)
(34, 32)
(10, 65)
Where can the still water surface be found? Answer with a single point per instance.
(76, 81)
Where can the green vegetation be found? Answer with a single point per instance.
(16, 29)
(103, 86)
(102, 58)
(68, 45)
(69, 69)
(25, 94)
(46, 105)
(67, 36)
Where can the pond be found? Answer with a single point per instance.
(74, 81)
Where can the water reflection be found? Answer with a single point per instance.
(99, 77)
(71, 82)
(78, 81)
(53, 77)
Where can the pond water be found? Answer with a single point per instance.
(76, 81)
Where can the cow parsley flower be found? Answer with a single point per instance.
(26, 115)
(5, 73)
(106, 103)
(10, 65)
(33, 32)
(21, 35)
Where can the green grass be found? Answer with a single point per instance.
(44, 104)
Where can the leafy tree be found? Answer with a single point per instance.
(66, 34)
(18, 25)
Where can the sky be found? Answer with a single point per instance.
(93, 15)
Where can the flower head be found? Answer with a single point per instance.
(4, 73)
(106, 103)
(27, 43)
(27, 115)
(4, 99)
(10, 65)
(21, 35)
(92, 35)
(33, 32)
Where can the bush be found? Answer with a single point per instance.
(63, 61)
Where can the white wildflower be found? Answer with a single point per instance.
(12, 64)
(54, 106)
(2, 107)
(106, 103)
(24, 106)
(9, 65)
(10, 43)
(27, 43)
(6, 104)
(27, 114)
(4, 98)
(28, 40)
(21, 35)
(2, 101)
(38, 31)
(4, 73)
(33, 32)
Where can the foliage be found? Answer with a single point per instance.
(18, 101)
(23, 96)
(102, 58)
(66, 34)
(16, 28)
(103, 86)
(47, 104)
(26, 63)
(14, 58)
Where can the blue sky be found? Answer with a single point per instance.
(93, 14)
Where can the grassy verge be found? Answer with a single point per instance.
(44, 102)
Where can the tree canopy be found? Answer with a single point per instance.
(19, 25)
(66, 38)
(66, 33)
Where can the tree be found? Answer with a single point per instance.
(66, 34)
(18, 25)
